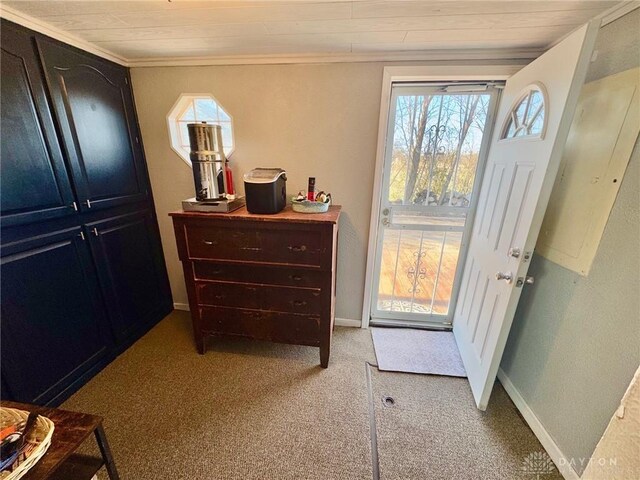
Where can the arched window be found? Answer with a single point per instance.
(527, 118)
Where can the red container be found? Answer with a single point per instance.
(229, 175)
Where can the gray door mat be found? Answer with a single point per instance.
(417, 351)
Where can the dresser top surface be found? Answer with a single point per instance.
(286, 215)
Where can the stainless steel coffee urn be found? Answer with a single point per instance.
(208, 161)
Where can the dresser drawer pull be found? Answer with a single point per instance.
(253, 249)
(296, 248)
(297, 278)
(299, 303)
(251, 314)
(217, 271)
(218, 297)
(210, 242)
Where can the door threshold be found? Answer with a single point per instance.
(426, 325)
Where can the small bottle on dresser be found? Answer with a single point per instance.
(311, 189)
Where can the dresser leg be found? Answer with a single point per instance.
(324, 356)
(201, 343)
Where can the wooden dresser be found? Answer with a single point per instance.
(269, 277)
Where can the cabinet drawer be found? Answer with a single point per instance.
(294, 277)
(261, 297)
(282, 246)
(273, 326)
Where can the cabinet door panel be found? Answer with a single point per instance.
(132, 279)
(94, 106)
(52, 318)
(102, 133)
(35, 185)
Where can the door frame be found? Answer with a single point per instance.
(438, 73)
(420, 320)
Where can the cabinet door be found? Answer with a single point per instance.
(53, 323)
(35, 185)
(94, 106)
(131, 271)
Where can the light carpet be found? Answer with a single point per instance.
(255, 410)
(434, 431)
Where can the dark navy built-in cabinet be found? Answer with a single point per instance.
(82, 274)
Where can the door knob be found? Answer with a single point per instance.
(385, 222)
(385, 212)
(508, 276)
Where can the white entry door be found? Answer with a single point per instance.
(534, 116)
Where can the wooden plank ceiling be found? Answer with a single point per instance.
(158, 29)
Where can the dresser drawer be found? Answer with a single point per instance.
(294, 277)
(213, 242)
(254, 244)
(273, 326)
(298, 247)
(261, 297)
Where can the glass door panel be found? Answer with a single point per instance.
(435, 148)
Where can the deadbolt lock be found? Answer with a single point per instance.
(522, 280)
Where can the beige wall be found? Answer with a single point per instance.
(312, 120)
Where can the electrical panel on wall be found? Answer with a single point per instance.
(600, 143)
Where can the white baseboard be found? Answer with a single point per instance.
(340, 322)
(552, 448)
(348, 322)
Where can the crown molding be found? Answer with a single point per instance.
(45, 28)
(520, 56)
(618, 11)
(606, 17)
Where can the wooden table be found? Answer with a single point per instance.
(61, 462)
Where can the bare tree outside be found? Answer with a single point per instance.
(435, 150)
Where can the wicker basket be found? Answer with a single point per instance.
(36, 448)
